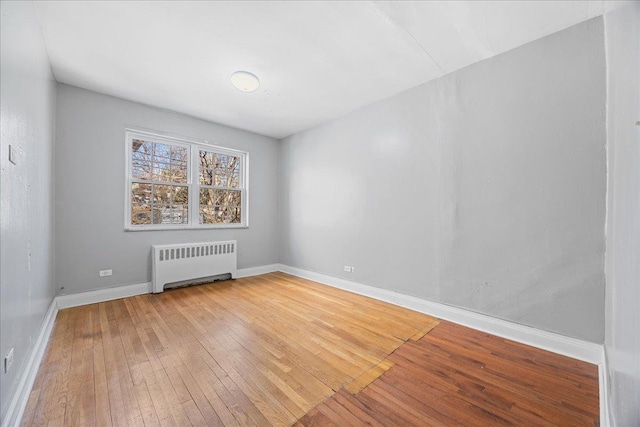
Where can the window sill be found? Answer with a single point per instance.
(166, 228)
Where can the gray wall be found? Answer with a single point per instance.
(484, 189)
(27, 101)
(90, 191)
(622, 343)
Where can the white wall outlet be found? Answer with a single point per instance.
(105, 273)
(8, 361)
(349, 269)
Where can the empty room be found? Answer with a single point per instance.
(320, 213)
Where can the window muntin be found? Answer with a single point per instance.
(174, 183)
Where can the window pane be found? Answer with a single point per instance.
(220, 215)
(207, 166)
(170, 163)
(220, 170)
(159, 162)
(170, 214)
(220, 206)
(140, 203)
(162, 194)
(234, 215)
(214, 197)
(178, 159)
(235, 180)
(160, 183)
(168, 204)
(141, 159)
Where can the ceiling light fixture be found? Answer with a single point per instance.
(245, 81)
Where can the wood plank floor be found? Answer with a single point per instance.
(279, 350)
(459, 376)
(258, 351)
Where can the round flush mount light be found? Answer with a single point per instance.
(245, 81)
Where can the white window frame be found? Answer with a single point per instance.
(193, 168)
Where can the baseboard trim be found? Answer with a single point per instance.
(14, 414)
(255, 271)
(605, 409)
(109, 294)
(556, 343)
(571, 347)
(102, 295)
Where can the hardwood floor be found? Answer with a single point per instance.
(255, 351)
(276, 350)
(459, 376)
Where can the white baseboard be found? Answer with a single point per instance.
(556, 343)
(13, 417)
(605, 409)
(109, 294)
(101, 295)
(575, 348)
(255, 271)
(571, 347)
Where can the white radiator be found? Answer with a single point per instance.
(190, 261)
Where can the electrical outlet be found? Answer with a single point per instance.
(349, 268)
(105, 273)
(8, 361)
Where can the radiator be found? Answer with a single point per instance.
(192, 261)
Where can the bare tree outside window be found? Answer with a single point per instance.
(156, 196)
(219, 178)
(174, 182)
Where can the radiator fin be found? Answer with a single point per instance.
(196, 251)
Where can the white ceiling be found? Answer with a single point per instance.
(316, 60)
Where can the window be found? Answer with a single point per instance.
(176, 183)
